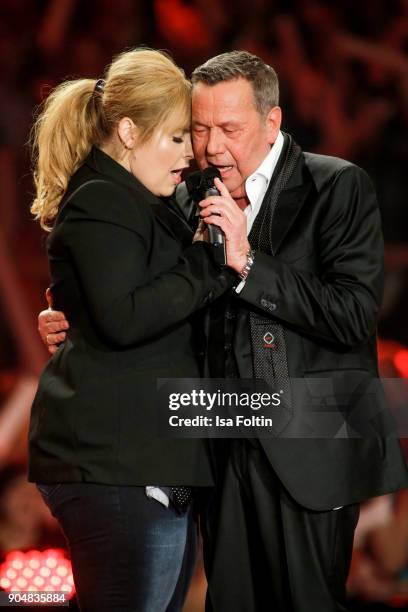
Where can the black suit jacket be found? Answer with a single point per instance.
(120, 275)
(323, 283)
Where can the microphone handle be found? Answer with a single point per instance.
(216, 235)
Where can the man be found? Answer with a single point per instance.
(279, 528)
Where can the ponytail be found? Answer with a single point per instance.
(69, 123)
(143, 84)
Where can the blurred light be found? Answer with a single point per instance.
(401, 362)
(35, 570)
(5, 583)
(11, 574)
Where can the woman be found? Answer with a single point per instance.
(105, 152)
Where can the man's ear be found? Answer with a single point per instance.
(273, 123)
(127, 132)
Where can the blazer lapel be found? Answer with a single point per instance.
(105, 165)
(165, 213)
(173, 222)
(289, 204)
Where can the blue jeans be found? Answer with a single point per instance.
(128, 552)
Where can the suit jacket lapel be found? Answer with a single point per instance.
(166, 214)
(105, 165)
(289, 204)
(172, 221)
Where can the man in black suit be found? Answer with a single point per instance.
(279, 528)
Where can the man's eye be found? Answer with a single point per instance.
(178, 139)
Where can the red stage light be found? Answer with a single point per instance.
(47, 570)
(401, 362)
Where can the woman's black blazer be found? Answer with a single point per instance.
(119, 273)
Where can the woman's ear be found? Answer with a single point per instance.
(127, 132)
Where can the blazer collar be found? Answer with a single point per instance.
(168, 214)
(105, 165)
(291, 200)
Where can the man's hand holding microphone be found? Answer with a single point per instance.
(220, 213)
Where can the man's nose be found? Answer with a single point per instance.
(215, 143)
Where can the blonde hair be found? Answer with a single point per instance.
(143, 84)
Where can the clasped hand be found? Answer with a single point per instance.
(223, 211)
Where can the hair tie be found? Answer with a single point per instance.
(99, 87)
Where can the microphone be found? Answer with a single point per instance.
(215, 233)
(193, 182)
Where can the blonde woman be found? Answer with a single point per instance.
(105, 152)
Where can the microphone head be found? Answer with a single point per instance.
(207, 177)
(193, 184)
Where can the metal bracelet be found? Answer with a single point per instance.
(249, 263)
